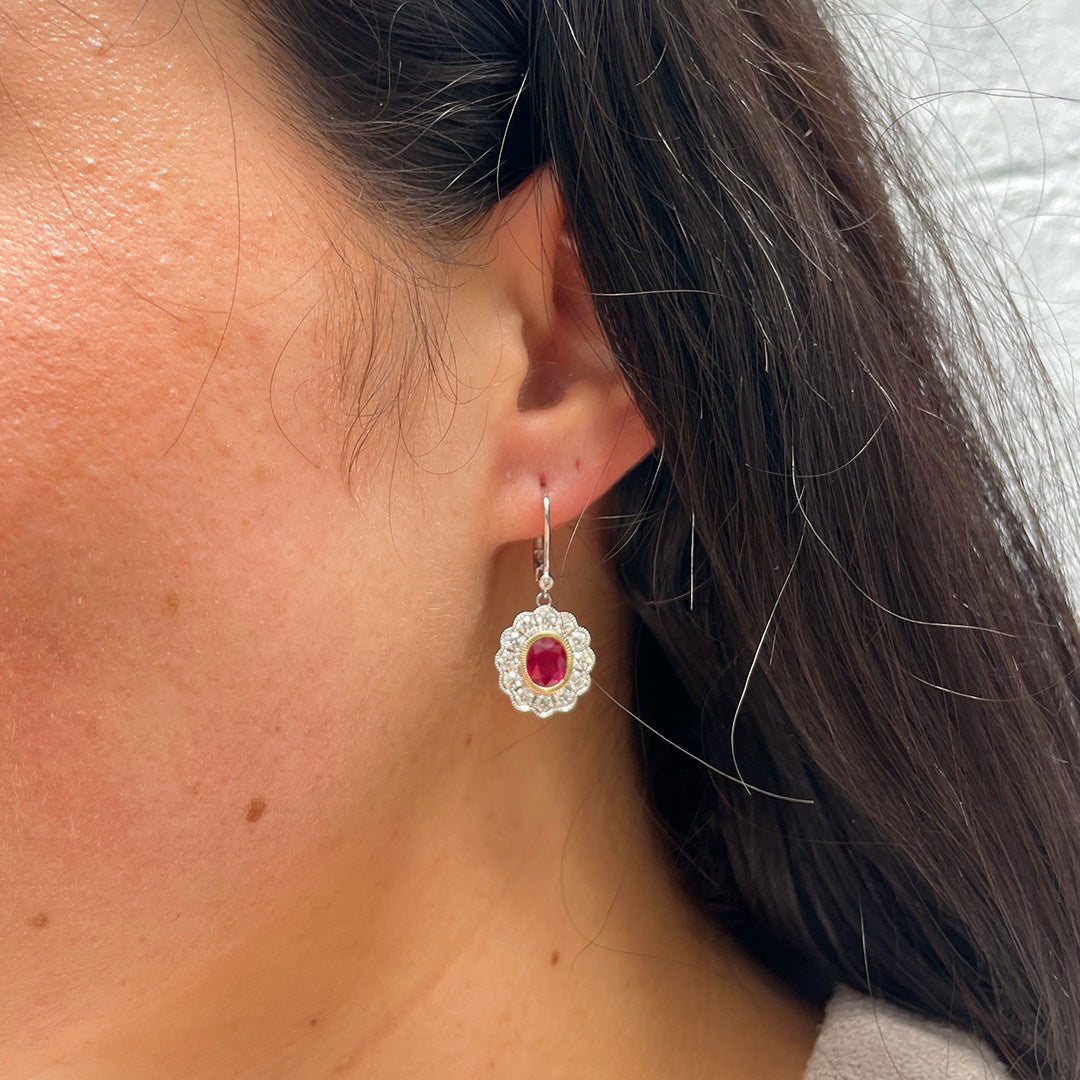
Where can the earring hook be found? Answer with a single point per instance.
(542, 554)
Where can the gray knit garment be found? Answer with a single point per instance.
(864, 1039)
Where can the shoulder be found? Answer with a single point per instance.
(864, 1039)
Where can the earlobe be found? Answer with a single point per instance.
(560, 415)
(578, 449)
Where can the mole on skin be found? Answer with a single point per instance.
(256, 808)
(39, 921)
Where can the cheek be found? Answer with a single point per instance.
(189, 686)
(164, 633)
(171, 626)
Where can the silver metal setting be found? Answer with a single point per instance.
(511, 661)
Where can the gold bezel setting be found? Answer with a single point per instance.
(523, 655)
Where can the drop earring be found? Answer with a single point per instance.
(544, 660)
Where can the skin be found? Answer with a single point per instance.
(263, 810)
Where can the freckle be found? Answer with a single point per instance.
(171, 603)
(92, 726)
(256, 808)
(195, 788)
(554, 957)
(468, 739)
(39, 921)
(313, 1022)
(262, 474)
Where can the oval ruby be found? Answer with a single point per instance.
(545, 662)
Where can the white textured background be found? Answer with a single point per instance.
(1000, 79)
(994, 86)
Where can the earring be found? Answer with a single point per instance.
(544, 659)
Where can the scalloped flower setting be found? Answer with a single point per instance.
(545, 661)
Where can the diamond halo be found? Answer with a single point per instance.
(512, 661)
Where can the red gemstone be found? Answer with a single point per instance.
(546, 662)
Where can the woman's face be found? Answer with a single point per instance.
(199, 655)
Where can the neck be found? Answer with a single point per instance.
(508, 911)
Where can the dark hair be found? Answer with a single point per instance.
(841, 595)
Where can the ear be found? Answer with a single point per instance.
(559, 414)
